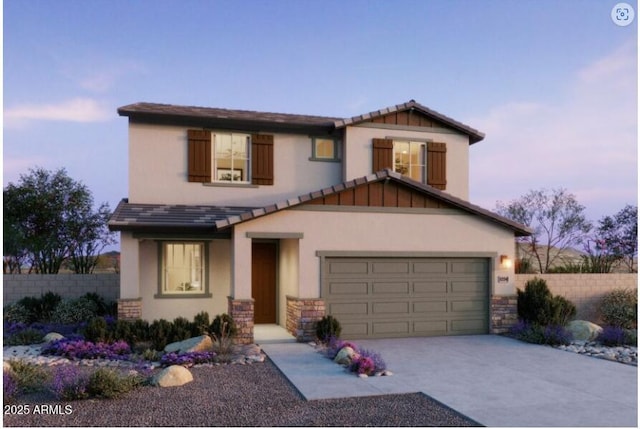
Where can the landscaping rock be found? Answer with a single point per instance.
(583, 330)
(52, 336)
(345, 356)
(174, 375)
(202, 343)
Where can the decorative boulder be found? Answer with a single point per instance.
(174, 375)
(202, 343)
(52, 336)
(345, 356)
(583, 330)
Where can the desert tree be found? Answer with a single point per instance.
(556, 219)
(617, 235)
(51, 218)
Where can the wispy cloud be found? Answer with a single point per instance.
(98, 74)
(584, 139)
(73, 110)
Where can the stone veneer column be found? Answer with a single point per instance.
(504, 313)
(302, 315)
(130, 309)
(242, 312)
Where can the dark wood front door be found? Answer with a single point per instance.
(263, 281)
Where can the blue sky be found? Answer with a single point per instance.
(553, 84)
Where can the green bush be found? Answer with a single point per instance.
(620, 308)
(159, 333)
(97, 330)
(223, 325)
(30, 309)
(16, 313)
(102, 307)
(30, 378)
(24, 337)
(328, 327)
(73, 311)
(538, 306)
(200, 324)
(108, 383)
(180, 329)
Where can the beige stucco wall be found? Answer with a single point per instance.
(584, 290)
(169, 308)
(359, 157)
(158, 171)
(432, 234)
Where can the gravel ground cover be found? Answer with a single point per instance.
(235, 395)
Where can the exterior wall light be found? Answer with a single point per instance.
(505, 261)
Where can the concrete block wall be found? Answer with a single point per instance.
(584, 290)
(17, 286)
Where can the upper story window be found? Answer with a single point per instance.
(410, 159)
(231, 157)
(422, 161)
(325, 149)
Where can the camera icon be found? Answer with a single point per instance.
(623, 14)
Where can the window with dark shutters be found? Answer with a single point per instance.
(437, 165)
(382, 154)
(261, 159)
(199, 153)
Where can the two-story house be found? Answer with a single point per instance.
(283, 218)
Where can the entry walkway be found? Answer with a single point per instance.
(493, 380)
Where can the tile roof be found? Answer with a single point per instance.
(211, 115)
(132, 216)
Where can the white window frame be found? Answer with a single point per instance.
(194, 281)
(235, 175)
(398, 154)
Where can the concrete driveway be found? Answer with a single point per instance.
(493, 380)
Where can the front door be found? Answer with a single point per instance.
(263, 281)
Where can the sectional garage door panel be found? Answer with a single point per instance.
(404, 297)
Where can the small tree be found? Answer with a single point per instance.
(557, 221)
(618, 234)
(49, 218)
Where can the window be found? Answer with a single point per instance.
(410, 159)
(230, 157)
(325, 149)
(183, 268)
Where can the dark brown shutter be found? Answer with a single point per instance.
(437, 165)
(382, 154)
(199, 154)
(262, 159)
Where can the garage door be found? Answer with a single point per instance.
(407, 297)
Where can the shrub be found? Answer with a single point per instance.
(614, 336)
(538, 306)
(223, 325)
(108, 383)
(69, 383)
(74, 311)
(328, 327)
(181, 329)
(200, 324)
(97, 330)
(10, 387)
(362, 365)
(620, 308)
(378, 363)
(187, 359)
(102, 307)
(159, 332)
(16, 313)
(334, 345)
(29, 378)
(536, 334)
(24, 337)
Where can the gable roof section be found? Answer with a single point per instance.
(266, 121)
(412, 106)
(215, 218)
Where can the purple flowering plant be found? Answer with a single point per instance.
(69, 383)
(334, 345)
(187, 359)
(75, 349)
(10, 388)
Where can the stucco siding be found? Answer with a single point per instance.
(358, 158)
(448, 235)
(158, 171)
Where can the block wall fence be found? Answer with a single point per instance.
(16, 286)
(584, 290)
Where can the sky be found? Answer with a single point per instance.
(552, 84)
